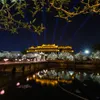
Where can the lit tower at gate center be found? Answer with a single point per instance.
(48, 48)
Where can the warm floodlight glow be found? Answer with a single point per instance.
(71, 72)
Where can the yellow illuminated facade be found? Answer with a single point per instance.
(50, 48)
(48, 81)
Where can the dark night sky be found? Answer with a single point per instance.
(81, 33)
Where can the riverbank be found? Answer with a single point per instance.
(6, 75)
(7, 78)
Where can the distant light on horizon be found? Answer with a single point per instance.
(86, 51)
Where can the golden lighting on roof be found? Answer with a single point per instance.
(27, 51)
(32, 47)
(43, 50)
(47, 46)
(69, 47)
(50, 48)
(65, 47)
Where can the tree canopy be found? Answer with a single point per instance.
(96, 47)
(12, 12)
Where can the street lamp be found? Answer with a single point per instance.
(86, 51)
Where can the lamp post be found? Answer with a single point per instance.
(87, 52)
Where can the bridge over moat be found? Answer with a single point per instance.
(35, 66)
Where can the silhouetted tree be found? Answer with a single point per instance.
(12, 12)
(96, 47)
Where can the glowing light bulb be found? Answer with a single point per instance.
(18, 83)
(86, 51)
(2, 92)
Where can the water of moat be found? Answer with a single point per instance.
(79, 85)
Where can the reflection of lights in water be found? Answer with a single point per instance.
(30, 78)
(45, 71)
(98, 74)
(51, 79)
(40, 76)
(27, 79)
(38, 73)
(48, 77)
(34, 76)
(25, 86)
(72, 77)
(52, 82)
(84, 74)
(2, 92)
(71, 72)
(48, 82)
(66, 81)
(18, 83)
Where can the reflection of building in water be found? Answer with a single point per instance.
(47, 82)
(50, 48)
(52, 82)
(53, 76)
